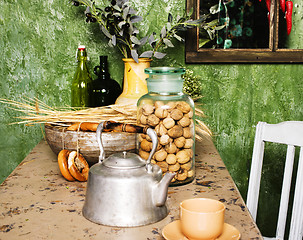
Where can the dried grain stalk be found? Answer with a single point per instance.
(35, 111)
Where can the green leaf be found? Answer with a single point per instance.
(212, 23)
(135, 40)
(114, 40)
(168, 25)
(163, 32)
(135, 19)
(110, 43)
(143, 40)
(132, 11)
(147, 54)
(125, 12)
(214, 9)
(134, 55)
(219, 27)
(170, 18)
(203, 41)
(159, 55)
(168, 42)
(151, 39)
(106, 33)
(190, 12)
(120, 24)
(116, 7)
(178, 38)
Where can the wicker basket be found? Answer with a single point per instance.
(59, 138)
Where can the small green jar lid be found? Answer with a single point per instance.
(164, 70)
(165, 79)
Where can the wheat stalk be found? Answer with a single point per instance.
(35, 111)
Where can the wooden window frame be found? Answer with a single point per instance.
(194, 54)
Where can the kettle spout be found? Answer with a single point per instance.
(161, 188)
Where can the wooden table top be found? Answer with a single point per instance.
(38, 203)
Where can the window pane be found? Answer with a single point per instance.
(247, 21)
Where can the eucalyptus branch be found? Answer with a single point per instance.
(117, 22)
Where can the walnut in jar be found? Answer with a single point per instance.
(176, 114)
(180, 142)
(147, 109)
(184, 121)
(183, 107)
(173, 123)
(165, 139)
(160, 155)
(152, 120)
(168, 122)
(175, 132)
(183, 156)
(161, 113)
(171, 159)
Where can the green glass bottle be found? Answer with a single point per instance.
(104, 89)
(82, 82)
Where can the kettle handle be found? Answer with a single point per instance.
(123, 127)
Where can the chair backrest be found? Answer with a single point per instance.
(291, 134)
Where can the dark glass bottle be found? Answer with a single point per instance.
(104, 89)
(82, 82)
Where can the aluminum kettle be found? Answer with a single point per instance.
(125, 190)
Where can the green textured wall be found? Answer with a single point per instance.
(38, 44)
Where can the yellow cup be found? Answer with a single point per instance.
(202, 218)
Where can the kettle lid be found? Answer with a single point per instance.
(124, 160)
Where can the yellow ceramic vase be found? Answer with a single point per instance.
(134, 83)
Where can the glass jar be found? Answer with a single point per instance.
(171, 113)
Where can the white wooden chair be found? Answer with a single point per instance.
(291, 134)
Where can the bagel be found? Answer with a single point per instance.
(73, 127)
(78, 166)
(85, 126)
(63, 165)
